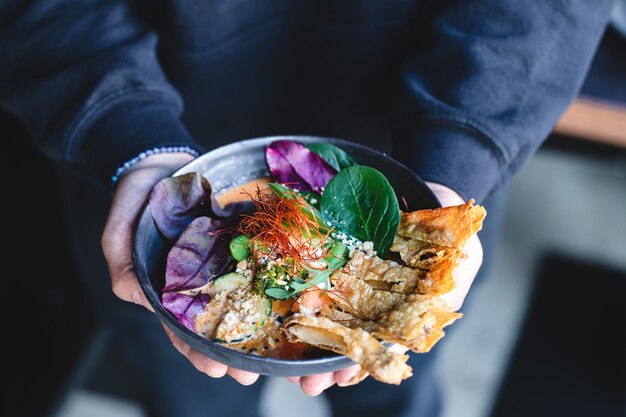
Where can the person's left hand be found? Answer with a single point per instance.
(129, 198)
(464, 275)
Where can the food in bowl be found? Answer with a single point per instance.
(318, 257)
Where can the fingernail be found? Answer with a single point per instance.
(140, 299)
(344, 381)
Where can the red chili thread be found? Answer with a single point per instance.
(282, 225)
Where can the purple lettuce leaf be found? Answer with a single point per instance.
(185, 307)
(200, 254)
(298, 164)
(176, 201)
(283, 172)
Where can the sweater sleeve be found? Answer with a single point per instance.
(84, 79)
(486, 83)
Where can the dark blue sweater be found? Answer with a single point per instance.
(462, 91)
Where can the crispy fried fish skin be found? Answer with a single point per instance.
(418, 254)
(358, 298)
(337, 315)
(383, 274)
(438, 279)
(357, 344)
(446, 226)
(433, 240)
(416, 322)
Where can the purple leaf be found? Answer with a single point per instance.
(185, 307)
(294, 161)
(200, 254)
(176, 201)
(283, 172)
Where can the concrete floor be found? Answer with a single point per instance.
(573, 204)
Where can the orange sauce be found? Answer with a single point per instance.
(282, 307)
(242, 192)
(293, 351)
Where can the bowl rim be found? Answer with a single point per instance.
(195, 340)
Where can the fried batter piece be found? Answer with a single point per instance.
(416, 322)
(357, 344)
(446, 226)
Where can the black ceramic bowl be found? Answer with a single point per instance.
(230, 166)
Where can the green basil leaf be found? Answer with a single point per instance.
(360, 202)
(335, 156)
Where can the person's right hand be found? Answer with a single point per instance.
(132, 192)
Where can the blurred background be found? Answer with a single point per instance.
(544, 332)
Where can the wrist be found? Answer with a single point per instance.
(175, 159)
(139, 179)
(155, 156)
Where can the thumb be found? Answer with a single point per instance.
(126, 287)
(124, 283)
(117, 237)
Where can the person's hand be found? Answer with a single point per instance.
(464, 275)
(468, 267)
(131, 193)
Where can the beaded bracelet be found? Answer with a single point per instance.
(165, 149)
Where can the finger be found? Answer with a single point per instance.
(342, 377)
(206, 365)
(313, 385)
(116, 251)
(117, 234)
(125, 286)
(243, 377)
(464, 273)
(360, 376)
(182, 347)
(294, 379)
(116, 246)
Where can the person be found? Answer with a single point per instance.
(461, 92)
